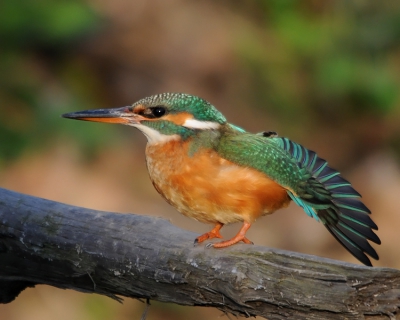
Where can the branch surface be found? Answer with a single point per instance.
(46, 242)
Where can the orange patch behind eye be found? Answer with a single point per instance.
(179, 118)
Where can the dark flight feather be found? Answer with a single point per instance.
(331, 199)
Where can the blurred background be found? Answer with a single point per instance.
(324, 73)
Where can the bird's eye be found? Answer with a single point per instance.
(158, 111)
(153, 112)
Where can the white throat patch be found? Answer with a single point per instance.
(153, 136)
(197, 124)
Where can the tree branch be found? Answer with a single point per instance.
(45, 242)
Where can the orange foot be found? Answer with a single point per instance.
(239, 237)
(214, 233)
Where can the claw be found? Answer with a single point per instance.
(214, 233)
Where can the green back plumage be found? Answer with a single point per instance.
(311, 184)
(263, 154)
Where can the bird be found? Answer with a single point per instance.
(218, 173)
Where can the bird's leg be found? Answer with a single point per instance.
(239, 237)
(214, 233)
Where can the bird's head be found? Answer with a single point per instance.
(160, 117)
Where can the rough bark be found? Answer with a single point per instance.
(45, 242)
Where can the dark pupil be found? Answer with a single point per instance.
(158, 111)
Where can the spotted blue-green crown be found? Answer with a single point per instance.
(180, 102)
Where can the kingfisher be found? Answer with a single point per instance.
(218, 173)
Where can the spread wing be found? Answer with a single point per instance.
(311, 184)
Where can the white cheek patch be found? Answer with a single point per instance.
(153, 136)
(197, 124)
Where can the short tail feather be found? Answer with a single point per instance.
(332, 200)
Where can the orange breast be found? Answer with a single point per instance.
(209, 188)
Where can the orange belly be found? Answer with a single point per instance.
(211, 189)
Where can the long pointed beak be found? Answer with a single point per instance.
(122, 115)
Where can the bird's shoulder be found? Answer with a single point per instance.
(263, 152)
